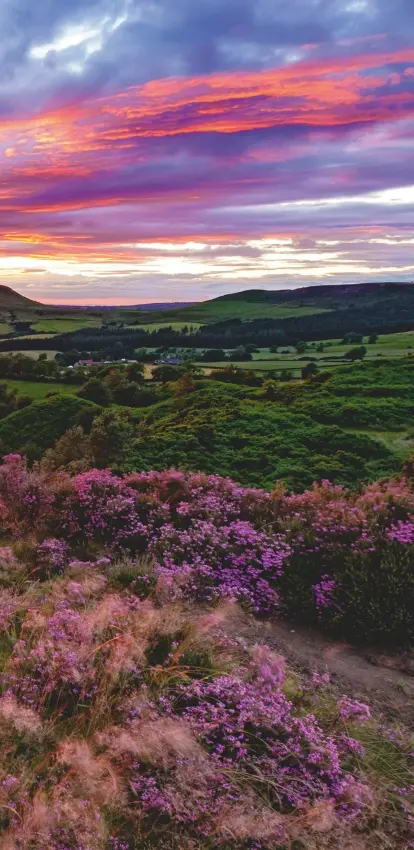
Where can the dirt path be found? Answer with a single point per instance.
(386, 683)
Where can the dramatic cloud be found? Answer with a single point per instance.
(157, 150)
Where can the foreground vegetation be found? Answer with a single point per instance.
(349, 426)
(130, 718)
(132, 712)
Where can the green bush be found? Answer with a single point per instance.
(43, 422)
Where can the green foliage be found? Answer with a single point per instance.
(309, 371)
(352, 338)
(96, 391)
(219, 429)
(356, 353)
(110, 439)
(40, 424)
(166, 373)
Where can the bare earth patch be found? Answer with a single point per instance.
(385, 681)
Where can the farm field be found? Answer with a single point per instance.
(32, 353)
(391, 346)
(156, 326)
(65, 324)
(38, 390)
(217, 311)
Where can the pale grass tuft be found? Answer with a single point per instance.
(321, 817)
(90, 777)
(37, 827)
(242, 823)
(159, 742)
(111, 610)
(22, 719)
(224, 612)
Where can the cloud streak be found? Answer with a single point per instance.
(116, 185)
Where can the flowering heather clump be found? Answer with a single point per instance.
(331, 557)
(325, 593)
(353, 710)
(233, 561)
(52, 555)
(402, 532)
(128, 724)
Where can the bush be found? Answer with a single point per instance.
(95, 391)
(44, 421)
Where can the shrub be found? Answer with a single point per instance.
(95, 391)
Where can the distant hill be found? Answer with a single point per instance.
(289, 303)
(11, 300)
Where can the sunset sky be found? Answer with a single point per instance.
(180, 149)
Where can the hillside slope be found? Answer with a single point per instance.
(290, 303)
(11, 300)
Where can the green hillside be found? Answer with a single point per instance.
(287, 303)
(41, 424)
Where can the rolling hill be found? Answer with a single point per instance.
(290, 303)
(11, 300)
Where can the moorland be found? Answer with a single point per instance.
(174, 483)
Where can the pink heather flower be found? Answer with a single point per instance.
(353, 710)
(402, 532)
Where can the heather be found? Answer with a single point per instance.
(131, 717)
(128, 722)
(330, 557)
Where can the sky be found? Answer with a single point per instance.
(177, 150)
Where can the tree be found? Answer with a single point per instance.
(128, 393)
(185, 385)
(135, 372)
(95, 390)
(351, 338)
(212, 355)
(240, 355)
(309, 371)
(110, 439)
(301, 347)
(373, 339)
(69, 452)
(166, 373)
(356, 353)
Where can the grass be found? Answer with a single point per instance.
(66, 324)
(38, 390)
(216, 311)
(401, 442)
(391, 346)
(156, 326)
(29, 353)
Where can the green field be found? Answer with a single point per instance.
(217, 311)
(65, 324)
(391, 346)
(156, 326)
(29, 353)
(38, 390)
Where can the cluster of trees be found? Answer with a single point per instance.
(123, 385)
(22, 367)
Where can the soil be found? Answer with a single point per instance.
(385, 682)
